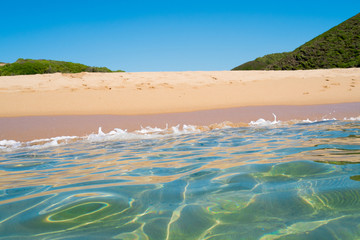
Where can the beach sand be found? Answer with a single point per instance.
(38, 106)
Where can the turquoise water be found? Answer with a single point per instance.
(265, 181)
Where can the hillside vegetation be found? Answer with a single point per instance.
(31, 66)
(337, 48)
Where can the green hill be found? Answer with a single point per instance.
(337, 48)
(31, 66)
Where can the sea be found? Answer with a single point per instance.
(267, 180)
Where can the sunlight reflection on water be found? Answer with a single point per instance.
(295, 181)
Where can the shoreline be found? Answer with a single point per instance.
(50, 105)
(29, 128)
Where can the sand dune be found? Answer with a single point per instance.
(169, 92)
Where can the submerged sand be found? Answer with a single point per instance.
(77, 104)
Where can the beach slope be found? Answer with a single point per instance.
(170, 92)
(79, 103)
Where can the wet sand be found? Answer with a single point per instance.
(40, 127)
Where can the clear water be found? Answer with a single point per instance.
(272, 181)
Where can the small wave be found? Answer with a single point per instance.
(143, 133)
(150, 133)
(9, 145)
(264, 123)
(115, 135)
(352, 119)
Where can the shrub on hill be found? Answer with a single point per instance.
(31, 66)
(261, 62)
(337, 48)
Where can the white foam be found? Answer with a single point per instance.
(265, 123)
(115, 135)
(5, 144)
(144, 133)
(151, 130)
(328, 119)
(352, 119)
(50, 142)
(9, 145)
(315, 121)
(308, 121)
(185, 129)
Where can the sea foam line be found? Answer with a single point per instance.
(148, 133)
(115, 135)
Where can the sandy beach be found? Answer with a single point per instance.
(152, 95)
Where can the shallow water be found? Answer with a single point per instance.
(266, 181)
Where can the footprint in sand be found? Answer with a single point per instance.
(29, 89)
(74, 75)
(167, 85)
(352, 83)
(325, 87)
(138, 86)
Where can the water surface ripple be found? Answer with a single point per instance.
(287, 181)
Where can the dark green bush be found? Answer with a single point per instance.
(31, 66)
(337, 48)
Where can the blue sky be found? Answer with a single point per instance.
(162, 35)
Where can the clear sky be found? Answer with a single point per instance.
(164, 35)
